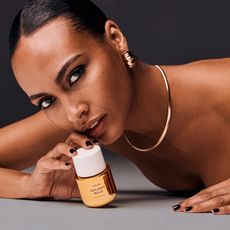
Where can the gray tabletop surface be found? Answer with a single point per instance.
(138, 205)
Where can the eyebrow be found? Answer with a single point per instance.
(59, 77)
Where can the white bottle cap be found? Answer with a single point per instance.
(89, 162)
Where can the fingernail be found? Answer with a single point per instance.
(215, 210)
(176, 207)
(188, 209)
(67, 164)
(95, 141)
(88, 143)
(72, 150)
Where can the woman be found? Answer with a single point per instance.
(75, 65)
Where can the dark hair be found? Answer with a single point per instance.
(83, 14)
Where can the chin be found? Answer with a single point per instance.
(110, 136)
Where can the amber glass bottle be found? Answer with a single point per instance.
(94, 177)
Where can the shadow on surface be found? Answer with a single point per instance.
(130, 196)
(125, 197)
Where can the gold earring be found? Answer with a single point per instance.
(129, 59)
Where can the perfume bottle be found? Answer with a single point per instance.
(94, 177)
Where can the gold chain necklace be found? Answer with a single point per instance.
(168, 116)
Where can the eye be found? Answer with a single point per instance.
(76, 74)
(45, 103)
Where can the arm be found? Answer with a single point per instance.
(22, 143)
(216, 197)
(13, 184)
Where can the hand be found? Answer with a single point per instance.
(54, 174)
(215, 199)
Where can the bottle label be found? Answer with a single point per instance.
(97, 190)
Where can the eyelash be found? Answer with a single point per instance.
(79, 70)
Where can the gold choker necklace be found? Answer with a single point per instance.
(168, 116)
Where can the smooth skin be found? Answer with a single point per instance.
(193, 155)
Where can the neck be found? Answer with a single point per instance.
(148, 111)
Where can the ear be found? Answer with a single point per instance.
(115, 37)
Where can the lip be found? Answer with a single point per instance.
(97, 131)
(86, 127)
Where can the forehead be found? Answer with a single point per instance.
(45, 51)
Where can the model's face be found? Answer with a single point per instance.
(92, 78)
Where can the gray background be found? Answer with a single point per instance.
(159, 32)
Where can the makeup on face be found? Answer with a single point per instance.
(94, 177)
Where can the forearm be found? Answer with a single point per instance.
(13, 184)
(22, 143)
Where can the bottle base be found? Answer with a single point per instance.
(99, 205)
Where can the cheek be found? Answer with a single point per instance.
(119, 92)
(115, 98)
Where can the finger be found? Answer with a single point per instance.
(201, 197)
(208, 193)
(46, 165)
(216, 186)
(61, 149)
(79, 140)
(207, 206)
(224, 210)
(75, 192)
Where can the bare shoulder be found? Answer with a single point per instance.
(214, 66)
(214, 74)
(205, 79)
(207, 67)
(217, 75)
(225, 60)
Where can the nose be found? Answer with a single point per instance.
(74, 112)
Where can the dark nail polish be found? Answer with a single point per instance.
(215, 210)
(188, 209)
(72, 151)
(95, 141)
(176, 207)
(88, 143)
(67, 164)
